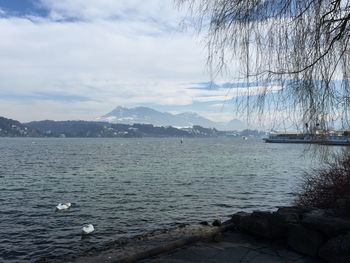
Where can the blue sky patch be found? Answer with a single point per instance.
(228, 85)
(22, 8)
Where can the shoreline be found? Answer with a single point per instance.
(129, 246)
(152, 246)
(307, 234)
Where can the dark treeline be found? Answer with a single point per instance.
(91, 129)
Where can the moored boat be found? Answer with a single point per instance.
(326, 138)
(288, 138)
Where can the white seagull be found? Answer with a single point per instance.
(88, 229)
(63, 206)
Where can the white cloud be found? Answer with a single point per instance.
(112, 62)
(228, 94)
(101, 54)
(157, 10)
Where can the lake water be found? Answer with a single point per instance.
(126, 187)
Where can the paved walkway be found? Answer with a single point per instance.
(233, 247)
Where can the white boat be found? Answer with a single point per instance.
(327, 138)
(336, 140)
(288, 138)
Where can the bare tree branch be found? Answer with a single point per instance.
(300, 44)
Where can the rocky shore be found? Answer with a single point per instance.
(318, 233)
(289, 234)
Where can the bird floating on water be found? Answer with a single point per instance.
(88, 229)
(63, 206)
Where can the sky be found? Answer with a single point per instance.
(79, 59)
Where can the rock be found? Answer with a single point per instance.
(304, 240)
(289, 215)
(285, 216)
(216, 222)
(336, 249)
(204, 223)
(342, 206)
(236, 218)
(261, 224)
(330, 226)
(227, 222)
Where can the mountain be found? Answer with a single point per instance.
(90, 129)
(234, 125)
(138, 115)
(13, 128)
(157, 118)
(191, 118)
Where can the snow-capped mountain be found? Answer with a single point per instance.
(157, 118)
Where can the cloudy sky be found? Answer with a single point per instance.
(79, 59)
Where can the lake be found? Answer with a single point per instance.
(126, 187)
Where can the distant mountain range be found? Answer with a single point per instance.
(94, 129)
(150, 116)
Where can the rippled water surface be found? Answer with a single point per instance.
(126, 187)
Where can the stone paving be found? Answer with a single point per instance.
(233, 247)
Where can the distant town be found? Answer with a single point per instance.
(100, 129)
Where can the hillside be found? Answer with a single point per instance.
(110, 130)
(13, 128)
